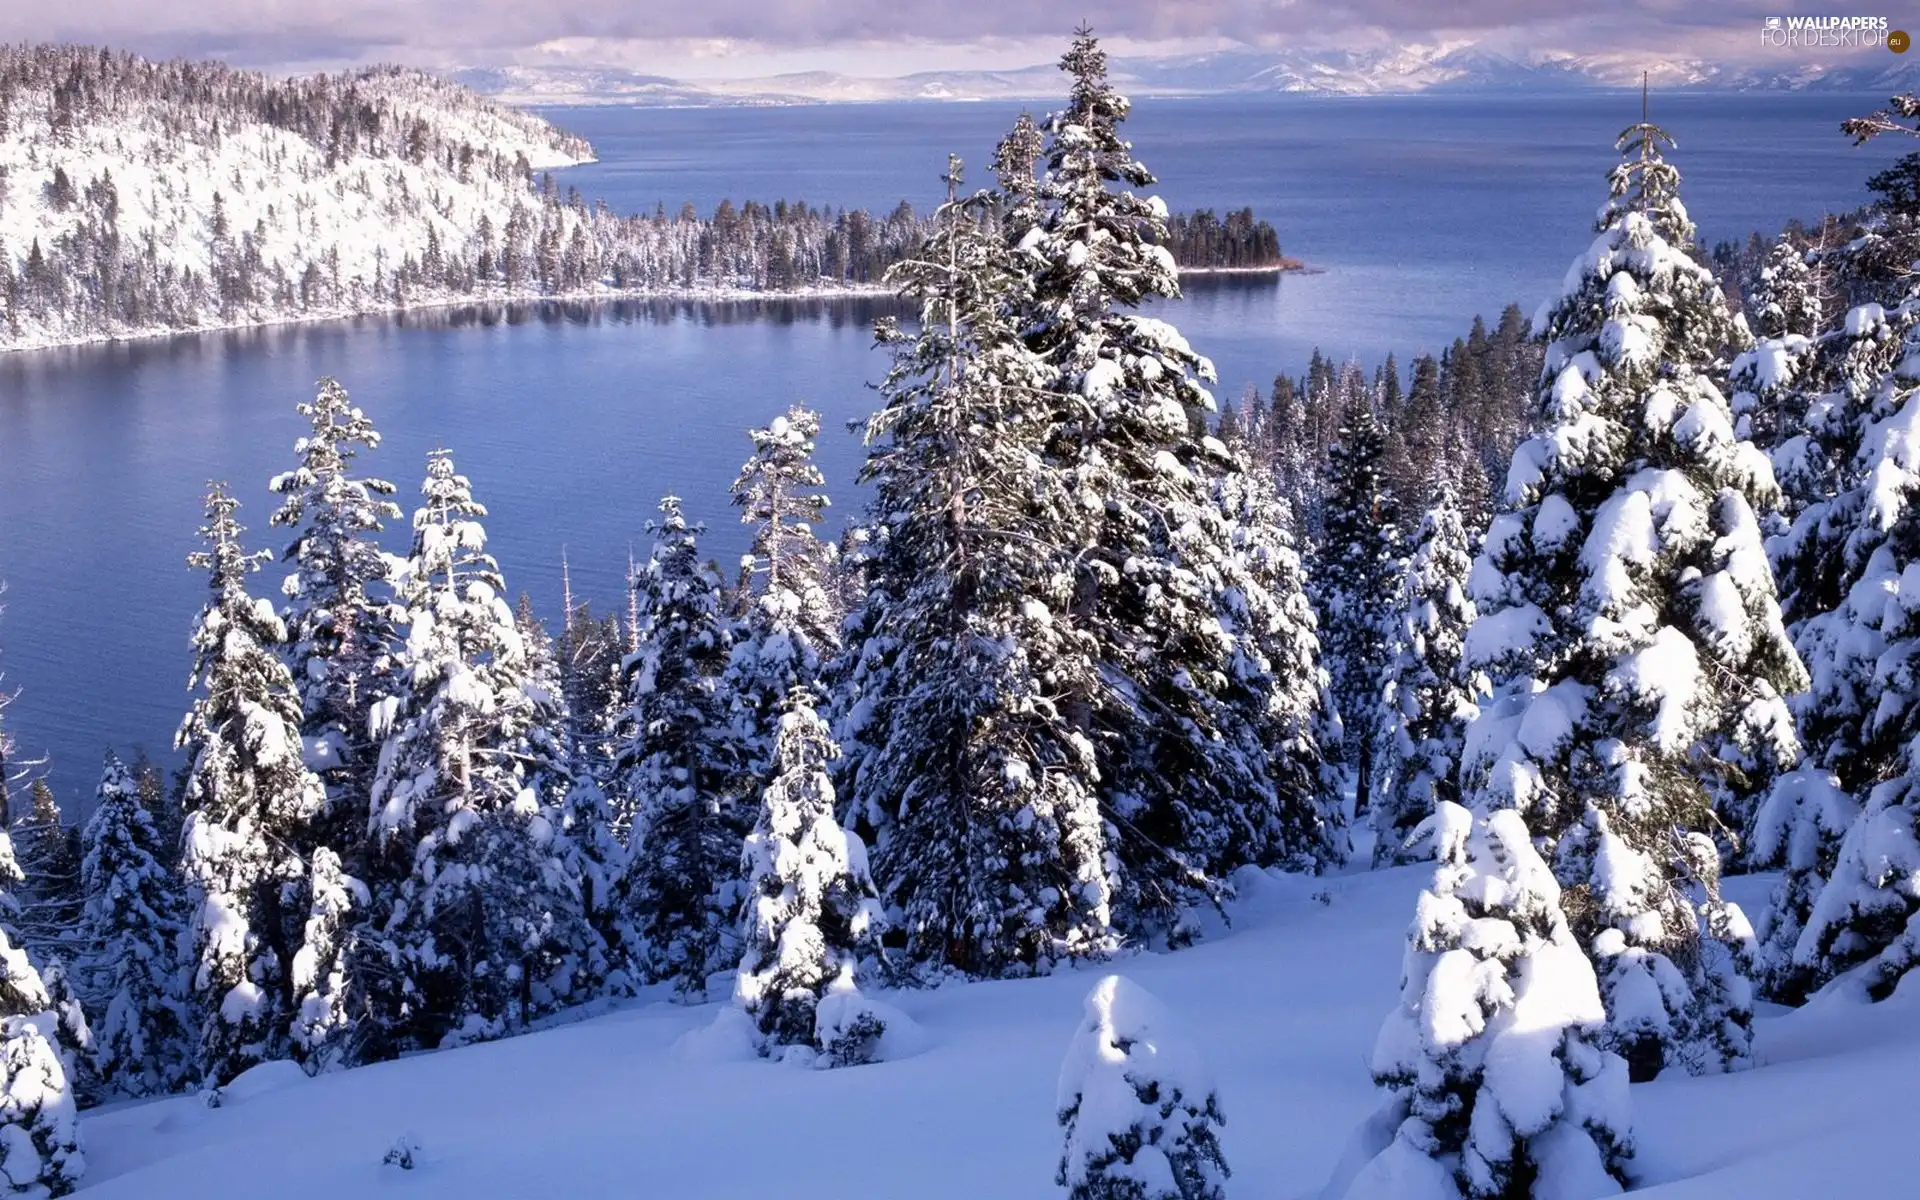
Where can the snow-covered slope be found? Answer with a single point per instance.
(140, 198)
(1285, 1007)
(138, 195)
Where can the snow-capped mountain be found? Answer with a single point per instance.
(1451, 67)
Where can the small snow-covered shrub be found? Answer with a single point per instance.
(1138, 1104)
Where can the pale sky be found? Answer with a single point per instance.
(741, 38)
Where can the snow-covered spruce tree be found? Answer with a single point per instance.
(968, 690)
(1180, 725)
(810, 913)
(1786, 297)
(1627, 613)
(1138, 1104)
(1769, 393)
(39, 1126)
(248, 796)
(144, 1038)
(327, 1000)
(72, 1033)
(1304, 825)
(340, 627)
(1862, 717)
(1493, 1059)
(1866, 913)
(48, 854)
(1430, 695)
(1838, 565)
(1840, 389)
(680, 765)
(465, 893)
(1853, 879)
(581, 846)
(791, 625)
(1355, 568)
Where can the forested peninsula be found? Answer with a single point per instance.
(141, 198)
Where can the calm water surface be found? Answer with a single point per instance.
(572, 420)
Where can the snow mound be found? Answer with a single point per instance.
(728, 1038)
(258, 1081)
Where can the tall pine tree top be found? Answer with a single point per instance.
(248, 796)
(1628, 612)
(791, 624)
(1626, 573)
(242, 734)
(962, 758)
(339, 630)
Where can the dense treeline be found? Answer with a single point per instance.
(1457, 415)
(1240, 242)
(1587, 612)
(140, 197)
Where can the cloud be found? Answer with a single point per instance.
(431, 32)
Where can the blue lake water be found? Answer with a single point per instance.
(572, 421)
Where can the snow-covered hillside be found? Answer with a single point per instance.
(1285, 1007)
(137, 195)
(140, 197)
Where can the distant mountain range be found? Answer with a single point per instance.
(1446, 68)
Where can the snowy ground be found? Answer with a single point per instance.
(1285, 1005)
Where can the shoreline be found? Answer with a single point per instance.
(1286, 266)
(714, 295)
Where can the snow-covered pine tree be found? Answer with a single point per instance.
(72, 1033)
(1822, 460)
(1627, 611)
(1848, 898)
(1303, 825)
(581, 846)
(681, 766)
(791, 625)
(1180, 725)
(465, 892)
(1866, 914)
(249, 796)
(1837, 565)
(340, 627)
(1430, 695)
(1493, 1059)
(327, 1000)
(1355, 567)
(48, 854)
(39, 1124)
(967, 690)
(145, 1040)
(1770, 396)
(1138, 1104)
(588, 654)
(1786, 297)
(162, 801)
(811, 913)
